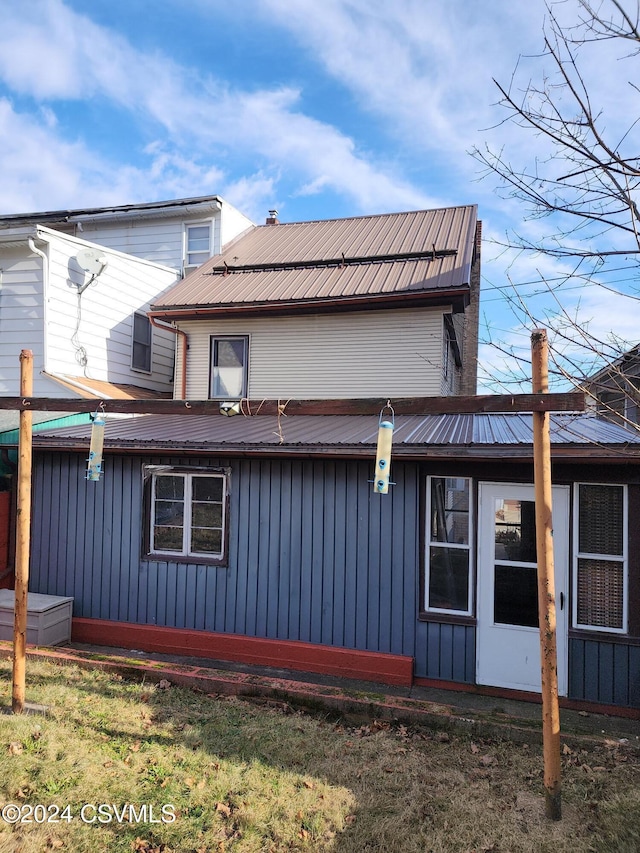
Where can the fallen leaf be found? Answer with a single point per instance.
(135, 747)
(163, 684)
(16, 748)
(224, 809)
(487, 761)
(349, 819)
(54, 843)
(201, 784)
(475, 749)
(309, 785)
(566, 750)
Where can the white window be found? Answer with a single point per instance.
(600, 566)
(447, 587)
(141, 343)
(197, 245)
(187, 514)
(229, 368)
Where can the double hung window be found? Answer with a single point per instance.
(198, 245)
(229, 368)
(141, 343)
(600, 557)
(447, 585)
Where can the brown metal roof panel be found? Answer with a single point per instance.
(327, 431)
(265, 286)
(370, 236)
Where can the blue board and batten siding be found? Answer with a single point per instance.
(314, 555)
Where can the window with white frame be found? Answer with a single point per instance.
(447, 587)
(187, 514)
(141, 343)
(197, 244)
(600, 582)
(229, 368)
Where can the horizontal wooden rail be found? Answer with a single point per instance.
(566, 402)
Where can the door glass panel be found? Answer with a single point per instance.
(515, 586)
(515, 530)
(516, 596)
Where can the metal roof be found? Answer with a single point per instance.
(340, 434)
(396, 253)
(149, 208)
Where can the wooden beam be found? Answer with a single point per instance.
(567, 402)
(23, 529)
(546, 582)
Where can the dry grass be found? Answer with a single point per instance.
(245, 776)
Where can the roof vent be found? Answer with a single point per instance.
(272, 219)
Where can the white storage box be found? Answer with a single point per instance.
(48, 618)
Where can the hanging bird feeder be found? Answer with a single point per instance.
(94, 462)
(383, 452)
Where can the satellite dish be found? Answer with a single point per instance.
(91, 260)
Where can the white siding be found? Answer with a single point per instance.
(105, 327)
(393, 353)
(162, 240)
(21, 315)
(232, 223)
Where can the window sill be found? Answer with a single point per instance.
(180, 559)
(446, 618)
(603, 637)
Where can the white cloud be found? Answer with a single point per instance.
(198, 114)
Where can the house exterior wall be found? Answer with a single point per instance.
(22, 314)
(162, 239)
(397, 353)
(314, 556)
(98, 324)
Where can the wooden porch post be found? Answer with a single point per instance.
(546, 582)
(23, 527)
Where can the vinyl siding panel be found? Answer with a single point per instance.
(99, 323)
(160, 241)
(358, 354)
(22, 316)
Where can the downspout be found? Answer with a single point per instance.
(45, 290)
(185, 346)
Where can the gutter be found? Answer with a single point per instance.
(456, 297)
(185, 346)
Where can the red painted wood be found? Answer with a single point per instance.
(283, 654)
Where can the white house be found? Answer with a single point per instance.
(76, 286)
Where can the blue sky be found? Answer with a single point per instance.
(319, 109)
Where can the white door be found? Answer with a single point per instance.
(507, 639)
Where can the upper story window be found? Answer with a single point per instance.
(141, 343)
(187, 514)
(447, 584)
(600, 558)
(197, 245)
(229, 368)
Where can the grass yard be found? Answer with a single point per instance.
(122, 766)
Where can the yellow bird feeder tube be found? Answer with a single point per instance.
(94, 462)
(383, 454)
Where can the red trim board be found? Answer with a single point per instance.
(283, 654)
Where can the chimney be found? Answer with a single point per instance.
(272, 219)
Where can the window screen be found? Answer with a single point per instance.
(600, 560)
